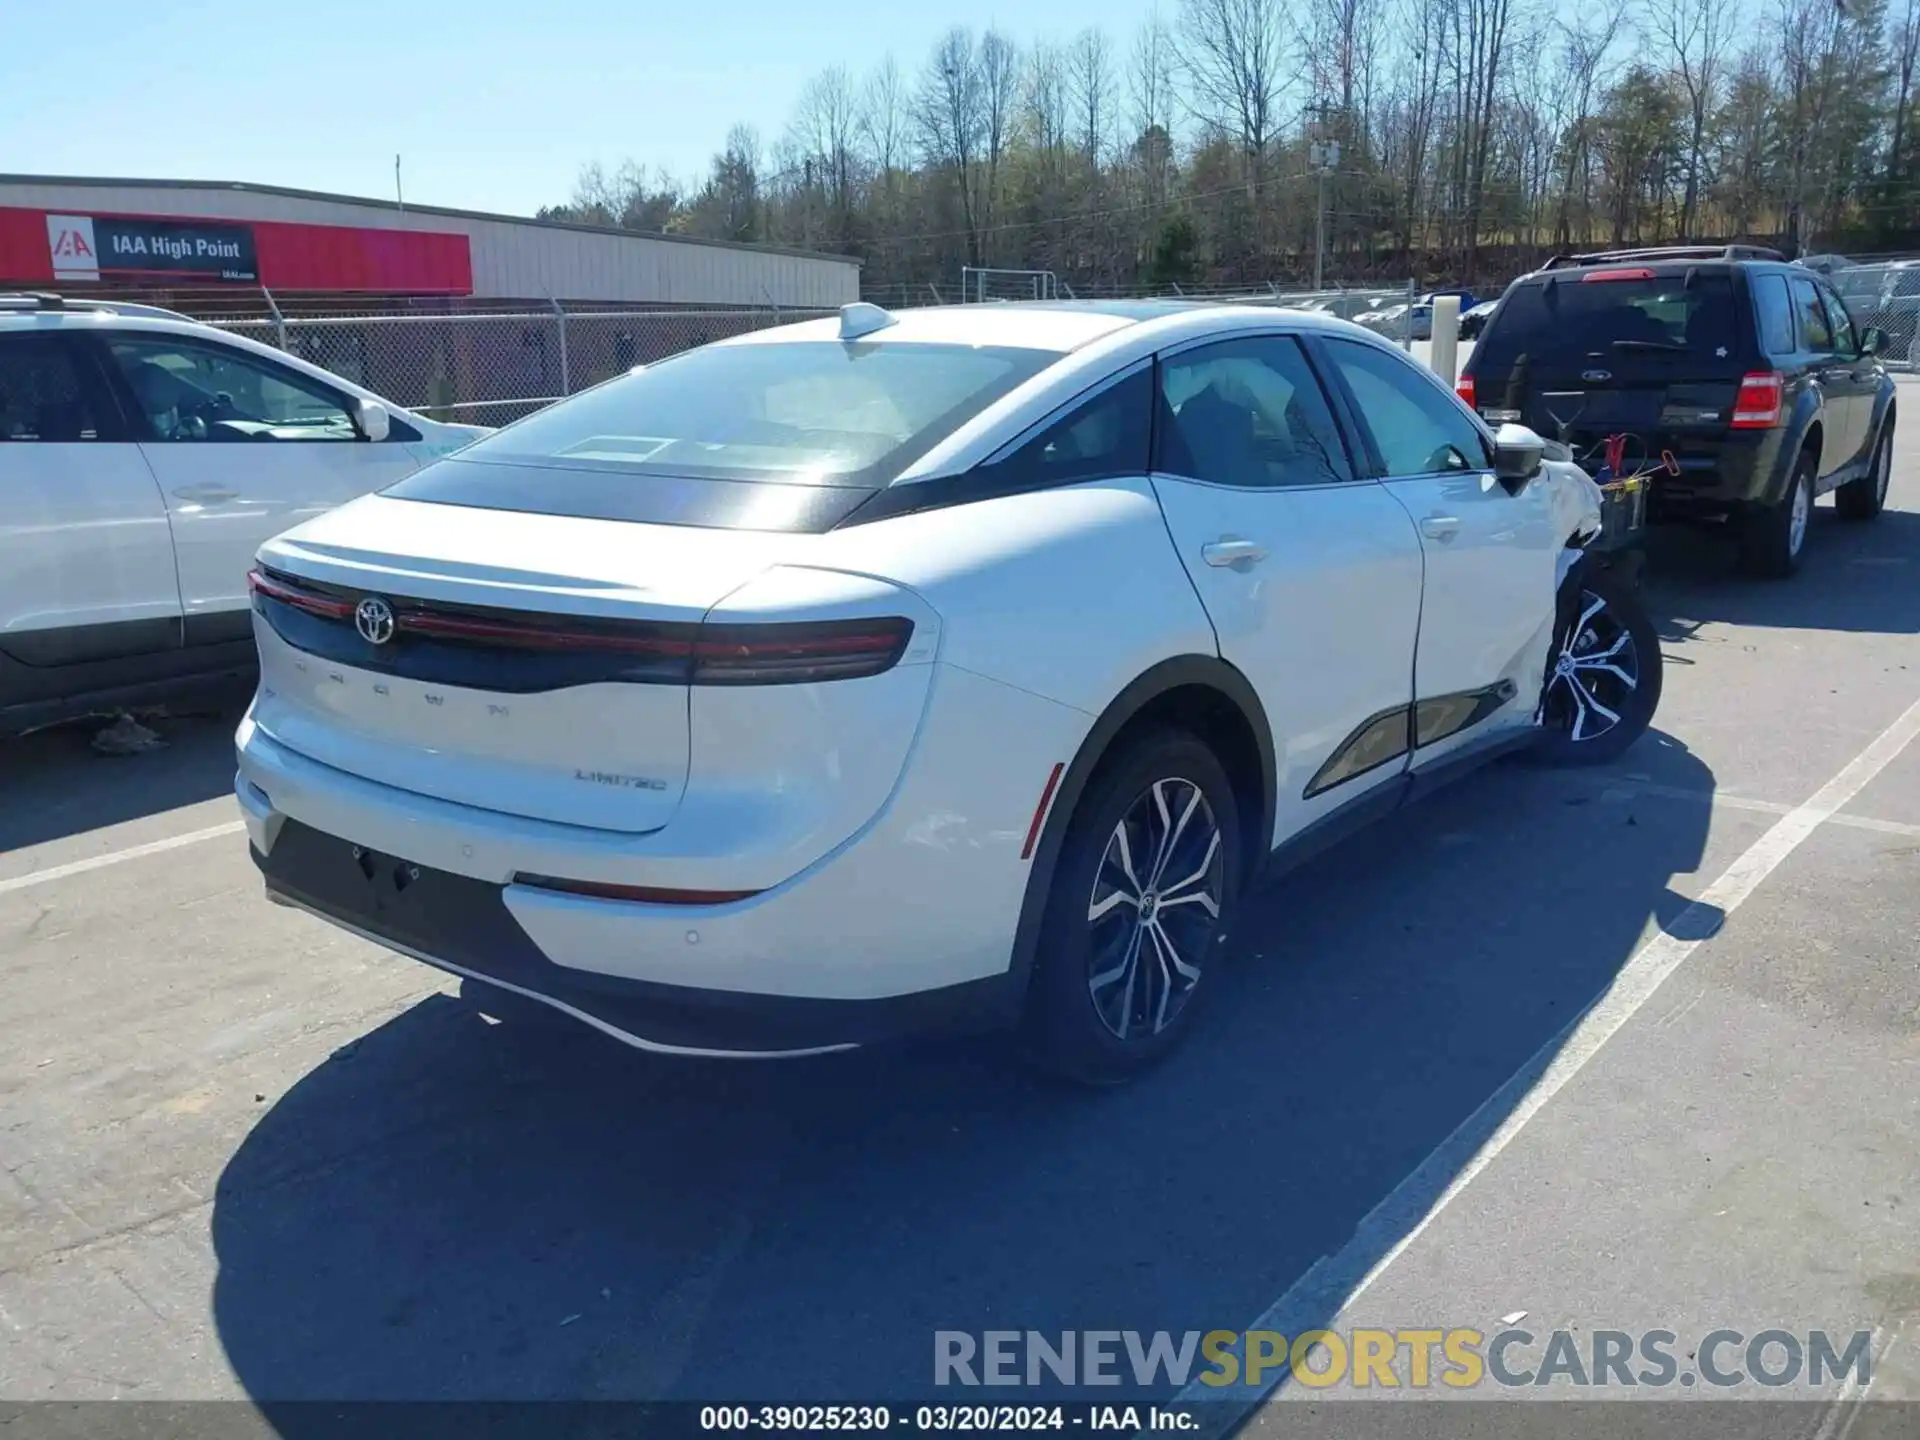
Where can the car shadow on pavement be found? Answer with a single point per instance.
(456, 1209)
(1860, 577)
(56, 784)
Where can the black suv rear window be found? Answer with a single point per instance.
(1563, 320)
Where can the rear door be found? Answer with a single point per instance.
(1310, 573)
(1852, 378)
(242, 449)
(86, 560)
(1490, 551)
(1585, 353)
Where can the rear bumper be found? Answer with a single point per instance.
(463, 926)
(887, 931)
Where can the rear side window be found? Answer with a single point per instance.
(1816, 334)
(1104, 436)
(1775, 311)
(43, 393)
(1565, 319)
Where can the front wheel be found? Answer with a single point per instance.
(1603, 674)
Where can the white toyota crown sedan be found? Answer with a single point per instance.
(954, 669)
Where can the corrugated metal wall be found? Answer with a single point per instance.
(519, 260)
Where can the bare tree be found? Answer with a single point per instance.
(1090, 77)
(1695, 35)
(1233, 53)
(882, 122)
(952, 124)
(1151, 93)
(1586, 49)
(998, 65)
(824, 127)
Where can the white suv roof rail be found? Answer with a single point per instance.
(39, 300)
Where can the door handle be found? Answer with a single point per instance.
(1440, 527)
(208, 494)
(1222, 553)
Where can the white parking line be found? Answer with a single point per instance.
(114, 857)
(1336, 1281)
(1625, 789)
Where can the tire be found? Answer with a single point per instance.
(1773, 539)
(1865, 498)
(1110, 995)
(1605, 660)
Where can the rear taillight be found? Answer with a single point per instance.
(1463, 387)
(1757, 407)
(431, 637)
(793, 654)
(260, 583)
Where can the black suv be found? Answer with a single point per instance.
(1744, 368)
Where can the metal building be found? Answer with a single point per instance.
(88, 234)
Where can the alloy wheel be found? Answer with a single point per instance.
(1155, 909)
(1802, 511)
(1595, 673)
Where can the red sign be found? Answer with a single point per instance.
(41, 248)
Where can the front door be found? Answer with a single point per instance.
(243, 449)
(1310, 574)
(1490, 547)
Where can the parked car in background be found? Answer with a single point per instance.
(144, 458)
(1752, 373)
(780, 698)
(1886, 296)
(1473, 321)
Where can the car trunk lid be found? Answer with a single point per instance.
(532, 664)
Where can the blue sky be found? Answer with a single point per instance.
(494, 104)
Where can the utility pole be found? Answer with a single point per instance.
(398, 199)
(1323, 156)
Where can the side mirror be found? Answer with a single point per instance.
(370, 418)
(1873, 340)
(1517, 453)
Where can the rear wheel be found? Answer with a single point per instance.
(1773, 539)
(1866, 497)
(1603, 675)
(1141, 899)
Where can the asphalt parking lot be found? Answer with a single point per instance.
(244, 1155)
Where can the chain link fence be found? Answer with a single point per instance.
(494, 368)
(488, 366)
(1884, 293)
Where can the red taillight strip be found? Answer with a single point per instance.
(263, 584)
(1040, 810)
(540, 637)
(1638, 273)
(634, 894)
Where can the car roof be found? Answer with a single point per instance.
(1060, 326)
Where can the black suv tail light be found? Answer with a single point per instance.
(1758, 405)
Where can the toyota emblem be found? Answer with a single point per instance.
(373, 618)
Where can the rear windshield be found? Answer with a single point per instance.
(1568, 320)
(824, 414)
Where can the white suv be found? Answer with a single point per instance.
(955, 668)
(143, 460)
